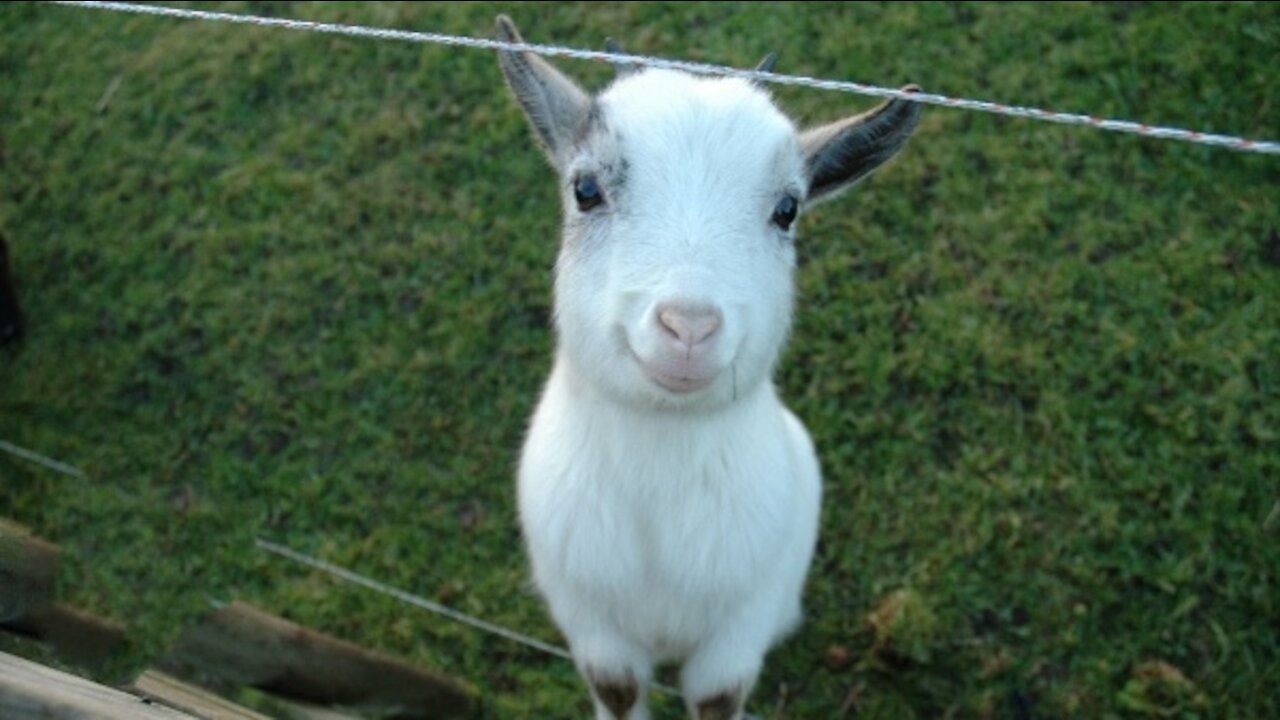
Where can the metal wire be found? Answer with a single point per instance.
(39, 459)
(431, 606)
(1033, 113)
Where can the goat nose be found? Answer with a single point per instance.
(689, 323)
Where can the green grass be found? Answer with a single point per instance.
(297, 286)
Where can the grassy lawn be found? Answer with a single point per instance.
(297, 286)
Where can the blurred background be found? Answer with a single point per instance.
(293, 286)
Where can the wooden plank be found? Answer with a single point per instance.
(77, 637)
(243, 645)
(34, 692)
(28, 566)
(189, 698)
(282, 709)
(303, 711)
(236, 645)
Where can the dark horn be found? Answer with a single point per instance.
(766, 65)
(622, 69)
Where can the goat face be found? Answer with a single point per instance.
(674, 281)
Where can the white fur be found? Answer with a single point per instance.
(663, 525)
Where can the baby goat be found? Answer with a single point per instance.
(668, 499)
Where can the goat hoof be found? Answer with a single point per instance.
(719, 707)
(618, 695)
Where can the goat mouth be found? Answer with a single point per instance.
(678, 385)
(675, 382)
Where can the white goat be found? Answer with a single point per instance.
(668, 499)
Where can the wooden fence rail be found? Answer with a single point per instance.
(34, 692)
(236, 645)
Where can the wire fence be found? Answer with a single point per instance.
(1021, 111)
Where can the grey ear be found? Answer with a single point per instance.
(842, 153)
(556, 107)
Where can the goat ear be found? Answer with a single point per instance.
(838, 155)
(556, 107)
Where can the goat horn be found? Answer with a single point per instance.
(766, 65)
(623, 69)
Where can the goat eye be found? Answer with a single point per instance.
(785, 212)
(586, 190)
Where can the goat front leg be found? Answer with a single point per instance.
(617, 671)
(718, 677)
(617, 695)
(722, 698)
